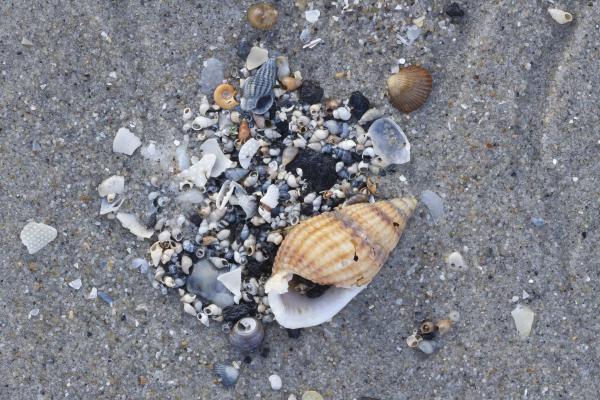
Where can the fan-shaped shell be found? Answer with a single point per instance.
(345, 248)
(262, 16)
(409, 88)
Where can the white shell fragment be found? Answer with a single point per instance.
(112, 185)
(222, 162)
(199, 172)
(107, 207)
(232, 280)
(523, 316)
(371, 115)
(560, 16)
(312, 16)
(389, 142)
(434, 204)
(126, 142)
(133, 224)
(293, 310)
(247, 151)
(76, 284)
(455, 260)
(35, 236)
(257, 57)
(271, 197)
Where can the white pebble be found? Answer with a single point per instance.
(275, 382)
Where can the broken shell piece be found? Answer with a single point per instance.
(224, 96)
(203, 282)
(227, 374)
(233, 282)
(455, 260)
(257, 57)
(112, 185)
(389, 141)
(107, 207)
(125, 142)
(523, 316)
(199, 172)
(156, 253)
(247, 151)
(222, 162)
(560, 16)
(434, 204)
(371, 115)
(444, 326)
(271, 197)
(409, 88)
(35, 236)
(283, 67)
(134, 225)
(290, 83)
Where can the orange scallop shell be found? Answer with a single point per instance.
(224, 96)
(409, 88)
(346, 247)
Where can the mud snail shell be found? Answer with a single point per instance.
(409, 88)
(344, 248)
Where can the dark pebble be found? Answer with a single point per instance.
(453, 10)
(247, 359)
(196, 219)
(311, 92)
(237, 311)
(294, 333)
(243, 49)
(254, 269)
(359, 104)
(317, 169)
(283, 127)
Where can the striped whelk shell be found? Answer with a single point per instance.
(258, 89)
(409, 88)
(344, 249)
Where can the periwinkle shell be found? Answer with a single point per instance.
(247, 334)
(389, 142)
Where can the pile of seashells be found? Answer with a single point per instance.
(248, 170)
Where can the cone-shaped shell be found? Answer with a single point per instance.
(409, 88)
(344, 248)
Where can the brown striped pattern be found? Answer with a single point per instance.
(347, 247)
(409, 88)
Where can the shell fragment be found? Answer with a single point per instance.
(35, 236)
(126, 142)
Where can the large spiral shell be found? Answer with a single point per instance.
(345, 248)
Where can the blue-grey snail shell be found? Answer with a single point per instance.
(258, 89)
(247, 334)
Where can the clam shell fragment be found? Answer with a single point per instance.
(389, 141)
(35, 236)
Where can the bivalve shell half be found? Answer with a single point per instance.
(262, 16)
(409, 88)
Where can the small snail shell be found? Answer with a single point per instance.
(290, 83)
(224, 96)
(247, 334)
(262, 16)
(243, 131)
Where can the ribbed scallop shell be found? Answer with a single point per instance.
(409, 88)
(345, 248)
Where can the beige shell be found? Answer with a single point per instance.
(409, 88)
(262, 16)
(224, 96)
(347, 247)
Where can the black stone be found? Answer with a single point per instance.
(317, 169)
(359, 104)
(294, 333)
(237, 311)
(247, 359)
(311, 92)
(453, 10)
(243, 49)
(264, 352)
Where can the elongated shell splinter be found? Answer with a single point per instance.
(344, 249)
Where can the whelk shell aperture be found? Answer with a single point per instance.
(262, 16)
(409, 88)
(344, 248)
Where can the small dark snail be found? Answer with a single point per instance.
(247, 334)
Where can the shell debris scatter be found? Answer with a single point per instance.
(244, 186)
